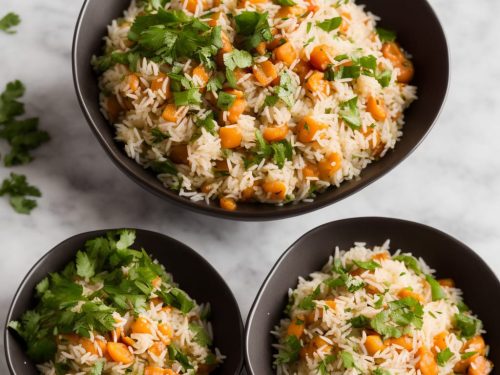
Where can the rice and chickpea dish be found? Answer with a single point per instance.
(370, 312)
(114, 310)
(253, 100)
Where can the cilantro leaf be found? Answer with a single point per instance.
(381, 371)
(349, 112)
(201, 335)
(97, 368)
(84, 265)
(9, 106)
(18, 189)
(360, 321)
(290, 352)
(307, 302)
(386, 35)
(347, 359)
(323, 365)
(188, 97)
(330, 24)
(285, 3)
(410, 262)
(164, 167)
(370, 265)
(384, 78)
(225, 100)
(444, 356)
(237, 59)
(467, 325)
(286, 89)
(436, 290)
(9, 21)
(253, 27)
(467, 355)
(176, 354)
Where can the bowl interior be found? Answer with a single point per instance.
(431, 65)
(193, 273)
(447, 256)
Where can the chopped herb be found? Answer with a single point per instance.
(208, 123)
(164, 167)
(231, 78)
(188, 97)
(225, 100)
(381, 371)
(323, 365)
(214, 84)
(308, 302)
(360, 321)
(309, 41)
(330, 24)
(467, 355)
(290, 352)
(254, 28)
(97, 368)
(386, 35)
(18, 190)
(384, 78)
(410, 262)
(158, 136)
(462, 307)
(9, 21)
(401, 313)
(286, 89)
(271, 100)
(347, 359)
(436, 290)
(285, 3)
(237, 59)
(444, 356)
(349, 112)
(201, 335)
(370, 265)
(467, 325)
(308, 27)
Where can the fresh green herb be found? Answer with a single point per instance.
(444, 356)
(330, 24)
(370, 265)
(285, 3)
(155, 4)
(158, 136)
(307, 302)
(436, 290)
(163, 167)
(386, 35)
(347, 359)
(176, 354)
(381, 371)
(462, 307)
(410, 262)
(286, 89)
(254, 28)
(201, 335)
(271, 100)
(378, 303)
(279, 151)
(22, 135)
(467, 325)
(104, 62)
(231, 78)
(215, 83)
(308, 27)
(384, 78)
(400, 314)
(225, 100)
(18, 190)
(290, 352)
(282, 151)
(9, 21)
(323, 365)
(97, 368)
(349, 112)
(188, 97)
(467, 355)
(360, 321)
(346, 280)
(237, 59)
(208, 123)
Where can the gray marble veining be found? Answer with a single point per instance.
(451, 182)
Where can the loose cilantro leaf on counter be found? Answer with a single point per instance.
(19, 191)
(9, 21)
(330, 24)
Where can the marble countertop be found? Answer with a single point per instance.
(452, 182)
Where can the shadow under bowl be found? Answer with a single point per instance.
(189, 269)
(418, 31)
(448, 256)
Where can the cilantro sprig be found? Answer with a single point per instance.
(9, 21)
(253, 28)
(20, 193)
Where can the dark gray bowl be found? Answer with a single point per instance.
(448, 256)
(193, 273)
(419, 31)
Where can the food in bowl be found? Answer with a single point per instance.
(253, 100)
(370, 312)
(114, 310)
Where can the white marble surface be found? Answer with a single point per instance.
(451, 182)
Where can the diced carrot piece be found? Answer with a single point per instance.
(167, 332)
(440, 341)
(275, 133)
(265, 72)
(230, 137)
(480, 366)
(310, 170)
(227, 46)
(307, 128)
(156, 282)
(373, 344)
(179, 154)
(302, 69)
(247, 193)
(238, 93)
(381, 256)
(290, 11)
(228, 204)
(344, 26)
(296, 328)
(376, 108)
(313, 6)
(114, 108)
(157, 83)
(214, 19)
(128, 341)
(140, 325)
(170, 113)
(449, 283)
(201, 75)
(133, 82)
(286, 53)
(316, 83)
(405, 342)
(320, 344)
(321, 56)
(275, 190)
(90, 347)
(329, 165)
(261, 48)
(396, 56)
(427, 363)
(404, 293)
(476, 344)
(192, 5)
(152, 370)
(119, 353)
(236, 110)
(157, 348)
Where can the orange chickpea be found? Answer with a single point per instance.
(405, 342)
(310, 170)
(275, 190)
(133, 82)
(296, 328)
(230, 137)
(480, 366)
(317, 83)
(236, 110)
(228, 204)
(140, 325)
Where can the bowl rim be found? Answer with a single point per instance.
(48, 254)
(251, 315)
(266, 212)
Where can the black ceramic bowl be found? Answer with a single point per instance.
(419, 31)
(448, 256)
(189, 269)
